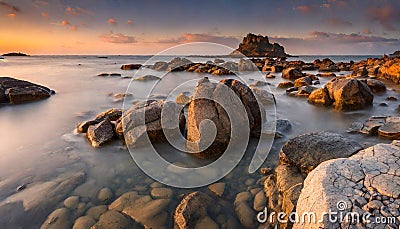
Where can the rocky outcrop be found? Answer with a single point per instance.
(144, 119)
(131, 66)
(387, 68)
(202, 107)
(15, 91)
(344, 94)
(258, 46)
(309, 150)
(365, 183)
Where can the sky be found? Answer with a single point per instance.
(102, 27)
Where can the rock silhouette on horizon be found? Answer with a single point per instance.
(258, 46)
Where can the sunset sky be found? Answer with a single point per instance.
(150, 26)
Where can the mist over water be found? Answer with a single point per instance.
(38, 140)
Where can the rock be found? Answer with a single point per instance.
(376, 86)
(112, 114)
(83, 222)
(178, 64)
(390, 70)
(245, 65)
(115, 74)
(286, 84)
(328, 74)
(289, 202)
(105, 195)
(286, 177)
(201, 109)
(182, 99)
(307, 151)
(303, 81)
(305, 91)
(243, 211)
(16, 91)
(292, 73)
(58, 219)
(391, 129)
(259, 84)
(206, 222)
(391, 98)
(147, 78)
(260, 202)
(100, 134)
(119, 97)
(114, 219)
(277, 68)
(368, 173)
(217, 188)
(131, 66)
(320, 96)
(83, 126)
(143, 120)
(327, 65)
(231, 66)
(270, 76)
(265, 171)
(291, 89)
(258, 46)
(219, 61)
(191, 210)
(71, 202)
(160, 66)
(96, 211)
(349, 94)
(103, 74)
(162, 193)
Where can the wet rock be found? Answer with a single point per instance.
(160, 66)
(369, 173)
(328, 74)
(71, 202)
(286, 84)
(305, 91)
(306, 151)
(391, 129)
(245, 65)
(178, 64)
(391, 98)
(131, 66)
(371, 127)
(191, 210)
(105, 195)
(270, 76)
(349, 94)
(83, 126)
(277, 68)
(143, 120)
(83, 222)
(259, 84)
(182, 99)
(219, 61)
(245, 214)
(327, 65)
(96, 211)
(100, 134)
(16, 91)
(115, 74)
(114, 219)
(58, 219)
(103, 74)
(161, 193)
(217, 188)
(292, 73)
(147, 78)
(206, 222)
(260, 202)
(376, 86)
(112, 114)
(289, 202)
(320, 96)
(291, 89)
(303, 81)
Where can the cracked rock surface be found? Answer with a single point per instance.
(367, 182)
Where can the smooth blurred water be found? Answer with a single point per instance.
(38, 140)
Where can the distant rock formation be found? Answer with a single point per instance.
(15, 54)
(395, 54)
(258, 46)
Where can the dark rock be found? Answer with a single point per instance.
(83, 126)
(131, 66)
(309, 150)
(375, 85)
(160, 66)
(258, 46)
(303, 81)
(305, 91)
(103, 74)
(18, 95)
(277, 68)
(286, 84)
(391, 98)
(178, 64)
(291, 89)
(292, 73)
(100, 134)
(147, 78)
(327, 65)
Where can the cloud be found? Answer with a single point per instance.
(347, 38)
(129, 22)
(202, 37)
(44, 14)
(112, 21)
(337, 22)
(77, 11)
(66, 24)
(388, 16)
(367, 31)
(306, 8)
(117, 38)
(12, 15)
(9, 7)
(39, 3)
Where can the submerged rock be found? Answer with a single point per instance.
(147, 78)
(114, 219)
(131, 66)
(309, 150)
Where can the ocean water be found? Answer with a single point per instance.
(38, 142)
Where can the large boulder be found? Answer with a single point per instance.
(258, 46)
(349, 94)
(144, 119)
(320, 96)
(16, 91)
(202, 107)
(307, 151)
(292, 73)
(366, 184)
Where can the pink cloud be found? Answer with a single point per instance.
(367, 31)
(77, 11)
(202, 37)
(112, 21)
(388, 16)
(129, 22)
(117, 38)
(337, 22)
(306, 8)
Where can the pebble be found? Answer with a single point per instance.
(217, 188)
(161, 193)
(72, 202)
(83, 222)
(105, 195)
(96, 211)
